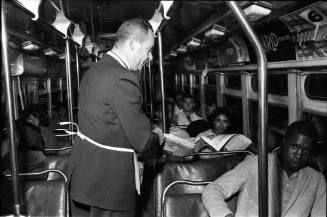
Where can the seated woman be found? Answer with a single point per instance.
(222, 123)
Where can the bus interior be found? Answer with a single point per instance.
(264, 60)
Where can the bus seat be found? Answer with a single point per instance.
(205, 170)
(184, 205)
(180, 205)
(58, 162)
(45, 198)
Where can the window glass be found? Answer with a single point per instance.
(277, 84)
(276, 126)
(316, 86)
(235, 104)
(233, 82)
(212, 79)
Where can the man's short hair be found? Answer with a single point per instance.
(188, 96)
(133, 28)
(303, 128)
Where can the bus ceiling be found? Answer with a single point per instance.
(188, 25)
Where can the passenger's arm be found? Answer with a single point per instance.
(319, 205)
(215, 193)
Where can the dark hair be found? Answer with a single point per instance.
(35, 111)
(303, 128)
(228, 113)
(132, 29)
(188, 96)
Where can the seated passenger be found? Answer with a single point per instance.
(178, 107)
(187, 115)
(222, 121)
(34, 115)
(30, 150)
(59, 115)
(302, 190)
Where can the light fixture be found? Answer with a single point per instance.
(194, 42)
(50, 52)
(257, 10)
(156, 20)
(32, 6)
(166, 6)
(182, 49)
(61, 22)
(173, 53)
(78, 35)
(28, 45)
(215, 32)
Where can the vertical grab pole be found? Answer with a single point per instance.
(61, 90)
(162, 83)
(150, 90)
(49, 90)
(20, 92)
(77, 67)
(262, 107)
(69, 87)
(10, 110)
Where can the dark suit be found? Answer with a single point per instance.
(109, 113)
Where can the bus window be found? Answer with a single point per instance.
(233, 82)
(277, 84)
(277, 124)
(211, 79)
(235, 104)
(319, 161)
(315, 86)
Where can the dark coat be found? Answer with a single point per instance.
(109, 113)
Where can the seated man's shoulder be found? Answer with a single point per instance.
(314, 174)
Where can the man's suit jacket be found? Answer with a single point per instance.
(110, 114)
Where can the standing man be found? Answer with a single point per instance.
(102, 180)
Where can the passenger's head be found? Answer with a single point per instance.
(222, 121)
(188, 103)
(135, 37)
(33, 115)
(179, 99)
(298, 146)
(61, 109)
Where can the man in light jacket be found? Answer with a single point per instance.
(302, 190)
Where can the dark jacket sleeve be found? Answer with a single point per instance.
(125, 98)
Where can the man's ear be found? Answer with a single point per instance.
(132, 43)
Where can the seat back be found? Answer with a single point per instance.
(184, 205)
(188, 204)
(58, 162)
(45, 198)
(201, 169)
